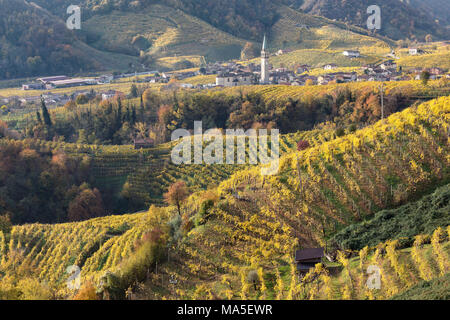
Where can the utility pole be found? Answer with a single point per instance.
(382, 100)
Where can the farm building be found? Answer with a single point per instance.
(306, 259)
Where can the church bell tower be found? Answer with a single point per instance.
(264, 63)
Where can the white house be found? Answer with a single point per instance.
(106, 78)
(351, 53)
(330, 66)
(110, 94)
(234, 79)
(415, 51)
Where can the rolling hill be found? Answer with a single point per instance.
(400, 19)
(128, 35)
(35, 42)
(344, 180)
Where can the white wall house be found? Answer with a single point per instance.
(329, 66)
(351, 53)
(234, 80)
(414, 51)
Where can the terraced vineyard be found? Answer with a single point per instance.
(46, 251)
(343, 181)
(145, 175)
(257, 222)
(408, 88)
(169, 33)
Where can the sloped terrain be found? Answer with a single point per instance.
(255, 223)
(400, 19)
(35, 42)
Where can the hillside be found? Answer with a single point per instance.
(131, 35)
(255, 223)
(400, 19)
(34, 42)
(403, 223)
(438, 8)
(165, 32)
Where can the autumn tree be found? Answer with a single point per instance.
(87, 292)
(87, 204)
(82, 99)
(176, 194)
(70, 105)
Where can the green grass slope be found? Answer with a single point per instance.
(436, 289)
(405, 222)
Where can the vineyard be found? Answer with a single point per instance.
(145, 175)
(344, 181)
(416, 89)
(257, 222)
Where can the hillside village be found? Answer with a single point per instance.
(232, 74)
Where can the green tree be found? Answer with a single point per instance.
(45, 114)
(134, 91)
(5, 224)
(425, 77)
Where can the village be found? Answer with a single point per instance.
(227, 74)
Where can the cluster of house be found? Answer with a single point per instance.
(56, 99)
(386, 71)
(54, 82)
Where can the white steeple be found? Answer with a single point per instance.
(264, 63)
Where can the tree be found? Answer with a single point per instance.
(5, 224)
(119, 114)
(425, 77)
(134, 92)
(88, 204)
(70, 105)
(87, 292)
(340, 132)
(176, 194)
(45, 114)
(82, 99)
(141, 129)
(429, 38)
(140, 42)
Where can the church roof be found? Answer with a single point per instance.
(264, 47)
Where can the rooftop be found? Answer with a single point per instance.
(311, 253)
